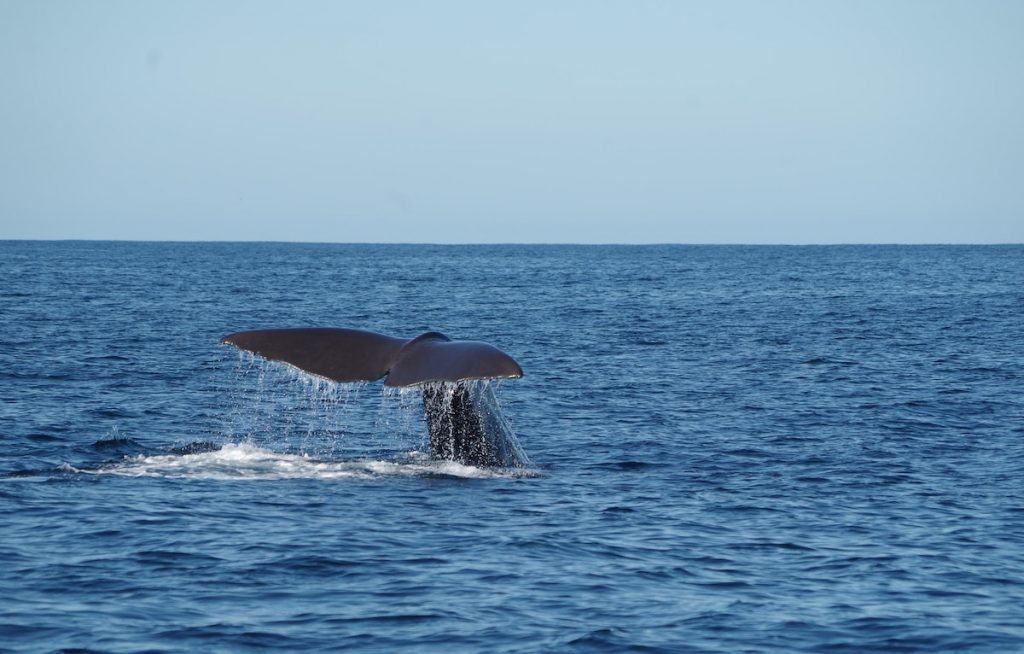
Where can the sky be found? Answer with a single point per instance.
(890, 121)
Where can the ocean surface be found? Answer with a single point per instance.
(731, 449)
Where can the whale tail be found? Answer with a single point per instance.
(462, 414)
(352, 355)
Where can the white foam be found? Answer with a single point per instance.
(237, 461)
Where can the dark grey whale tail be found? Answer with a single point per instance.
(462, 414)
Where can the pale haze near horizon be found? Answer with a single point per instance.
(526, 122)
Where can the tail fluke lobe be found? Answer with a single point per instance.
(434, 357)
(341, 355)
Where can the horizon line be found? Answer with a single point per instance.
(525, 243)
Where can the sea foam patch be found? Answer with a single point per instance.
(241, 461)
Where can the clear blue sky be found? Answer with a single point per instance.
(452, 122)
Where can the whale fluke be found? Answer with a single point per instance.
(352, 355)
(342, 355)
(462, 415)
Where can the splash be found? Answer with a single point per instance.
(280, 407)
(280, 423)
(246, 461)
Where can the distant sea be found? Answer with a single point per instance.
(732, 449)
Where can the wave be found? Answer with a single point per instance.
(245, 461)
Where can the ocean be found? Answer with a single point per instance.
(731, 449)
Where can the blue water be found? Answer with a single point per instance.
(735, 449)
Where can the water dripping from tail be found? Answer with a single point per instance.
(466, 425)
